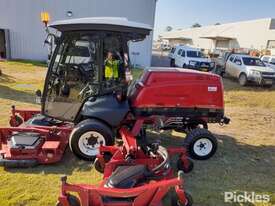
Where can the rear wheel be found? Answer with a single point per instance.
(201, 144)
(243, 80)
(87, 137)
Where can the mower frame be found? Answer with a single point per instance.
(49, 150)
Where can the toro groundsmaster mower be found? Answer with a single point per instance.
(87, 98)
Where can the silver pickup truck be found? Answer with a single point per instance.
(249, 69)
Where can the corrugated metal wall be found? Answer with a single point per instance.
(22, 18)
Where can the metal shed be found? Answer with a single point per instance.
(22, 34)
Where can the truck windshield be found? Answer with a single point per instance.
(250, 61)
(195, 54)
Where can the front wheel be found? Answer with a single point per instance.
(243, 80)
(88, 136)
(201, 144)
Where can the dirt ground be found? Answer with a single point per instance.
(245, 160)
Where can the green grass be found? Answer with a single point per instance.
(245, 160)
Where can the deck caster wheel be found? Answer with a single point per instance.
(98, 166)
(201, 144)
(185, 168)
(72, 200)
(88, 136)
(175, 200)
(18, 121)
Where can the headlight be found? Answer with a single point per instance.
(193, 63)
(255, 73)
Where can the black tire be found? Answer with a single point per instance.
(73, 201)
(204, 138)
(89, 125)
(243, 79)
(175, 201)
(182, 167)
(172, 63)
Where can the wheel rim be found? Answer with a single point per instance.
(203, 147)
(90, 142)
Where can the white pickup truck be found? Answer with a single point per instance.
(190, 58)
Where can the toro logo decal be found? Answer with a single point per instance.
(212, 89)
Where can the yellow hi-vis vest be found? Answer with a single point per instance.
(111, 69)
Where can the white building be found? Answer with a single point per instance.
(254, 34)
(22, 34)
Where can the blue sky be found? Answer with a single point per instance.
(184, 13)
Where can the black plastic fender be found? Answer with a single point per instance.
(106, 108)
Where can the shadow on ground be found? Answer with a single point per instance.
(231, 84)
(16, 95)
(66, 166)
(4, 78)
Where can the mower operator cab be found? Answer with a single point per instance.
(90, 60)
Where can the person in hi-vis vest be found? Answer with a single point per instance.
(111, 67)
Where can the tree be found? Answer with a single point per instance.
(196, 25)
(169, 28)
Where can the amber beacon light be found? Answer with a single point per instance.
(45, 17)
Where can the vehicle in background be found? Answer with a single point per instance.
(165, 47)
(269, 61)
(249, 69)
(190, 58)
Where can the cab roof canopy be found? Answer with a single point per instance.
(103, 24)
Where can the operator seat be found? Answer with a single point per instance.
(125, 177)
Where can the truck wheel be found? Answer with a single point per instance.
(201, 144)
(73, 201)
(87, 137)
(172, 63)
(243, 80)
(175, 200)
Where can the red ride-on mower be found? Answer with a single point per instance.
(134, 176)
(87, 85)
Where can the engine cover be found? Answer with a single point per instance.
(178, 92)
